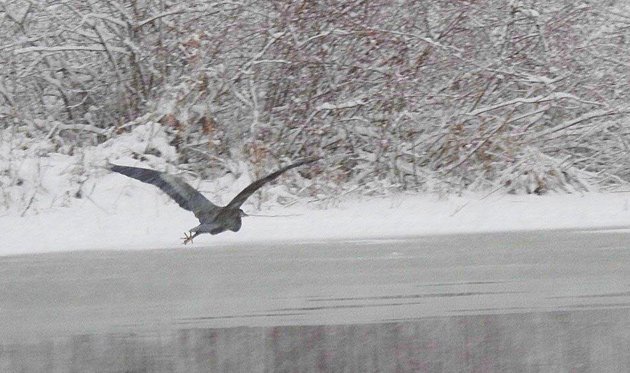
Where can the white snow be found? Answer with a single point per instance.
(126, 214)
(41, 214)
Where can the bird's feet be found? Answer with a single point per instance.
(188, 237)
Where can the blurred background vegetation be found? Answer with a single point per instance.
(435, 96)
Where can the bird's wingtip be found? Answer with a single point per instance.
(312, 159)
(109, 165)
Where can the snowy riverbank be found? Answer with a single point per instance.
(123, 214)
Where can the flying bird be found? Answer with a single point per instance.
(213, 219)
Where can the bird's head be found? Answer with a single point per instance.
(241, 213)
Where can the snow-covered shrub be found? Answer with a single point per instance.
(34, 176)
(534, 172)
(409, 95)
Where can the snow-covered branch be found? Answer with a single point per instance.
(70, 48)
(521, 100)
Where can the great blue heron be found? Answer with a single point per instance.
(213, 219)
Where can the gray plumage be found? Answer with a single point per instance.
(213, 219)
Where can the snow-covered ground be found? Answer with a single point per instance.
(116, 212)
(125, 214)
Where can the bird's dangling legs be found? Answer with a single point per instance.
(188, 237)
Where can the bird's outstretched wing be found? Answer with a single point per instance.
(185, 195)
(240, 198)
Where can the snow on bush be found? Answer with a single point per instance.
(442, 96)
(35, 178)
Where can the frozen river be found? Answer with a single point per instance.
(516, 279)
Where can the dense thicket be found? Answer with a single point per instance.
(436, 95)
